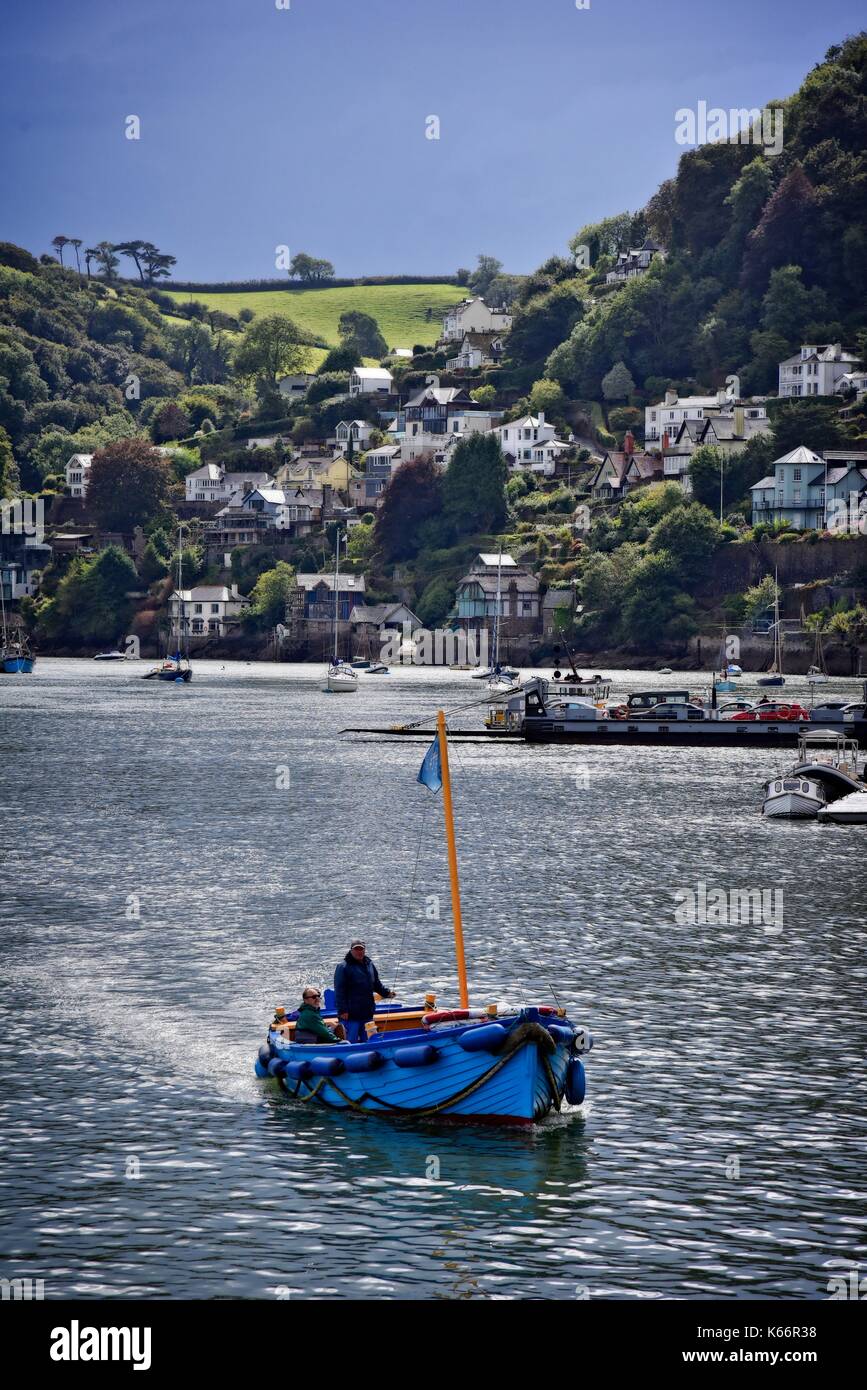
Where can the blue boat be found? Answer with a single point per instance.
(17, 664)
(510, 1069)
(454, 1064)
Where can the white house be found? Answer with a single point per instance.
(359, 431)
(666, 417)
(815, 370)
(211, 483)
(473, 316)
(477, 350)
(77, 470)
(294, 388)
(370, 381)
(518, 438)
(208, 608)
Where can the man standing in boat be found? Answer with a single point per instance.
(356, 980)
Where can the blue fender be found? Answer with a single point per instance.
(325, 1066)
(560, 1034)
(489, 1038)
(576, 1081)
(362, 1059)
(276, 1066)
(298, 1069)
(418, 1055)
(264, 1054)
(260, 1071)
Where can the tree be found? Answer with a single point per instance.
(811, 421)
(487, 269)
(852, 628)
(362, 331)
(75, 242)
(103, 254)
(58, 243)
(413, 497)
(788, 306)
(690, 535)
(135, 250)
(617, 385)
(270, 595)
(170, 422)
(474, 488)
(9, 479)
(91, 603)
(128, 485)
(546, 395)
(760, 598)
(157, 264)
(484, 395)
(309, 268)
(271, 348)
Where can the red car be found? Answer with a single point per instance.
(776, 712)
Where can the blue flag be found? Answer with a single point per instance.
(430, 772)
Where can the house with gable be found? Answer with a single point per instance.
(473, 316)
(809, 490)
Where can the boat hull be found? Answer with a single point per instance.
(793, 806)
(18, 665)
(432, 1074)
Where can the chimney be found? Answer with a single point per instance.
(739, 421)
(670, 397)
(629, 444)
(541, 416)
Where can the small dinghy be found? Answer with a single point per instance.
(453, 1064)
(798, 798)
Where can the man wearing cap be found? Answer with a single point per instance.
(356, 979)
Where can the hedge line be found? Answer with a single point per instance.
(237, 286)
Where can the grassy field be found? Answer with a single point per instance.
(398, 309)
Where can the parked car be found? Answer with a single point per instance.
(776, 712)
(835, 709)
(669, 711)
(733, 707)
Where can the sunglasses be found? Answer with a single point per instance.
(313, 996)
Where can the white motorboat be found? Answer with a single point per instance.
(817, 677)
(110, 656)
(340, 678)
(849, 810)
(733, 671)
(818, 671)
(794, 797)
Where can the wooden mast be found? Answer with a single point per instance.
(453, 860)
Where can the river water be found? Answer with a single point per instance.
(177, 860)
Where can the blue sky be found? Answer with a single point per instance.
(305, 126)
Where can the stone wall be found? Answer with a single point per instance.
(740, 565)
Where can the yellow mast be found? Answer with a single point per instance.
(453, 860)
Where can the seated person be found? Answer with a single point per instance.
(309, 1027)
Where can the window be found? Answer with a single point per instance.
(197, 608)
(797, 475)
(797, 494)
(215, 608)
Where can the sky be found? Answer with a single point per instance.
(307, 125)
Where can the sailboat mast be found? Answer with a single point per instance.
(336, 588)
(496, 660)
(453, 860)
(180, 589)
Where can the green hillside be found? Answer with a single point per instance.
(400, 310)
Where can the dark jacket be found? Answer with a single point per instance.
(354, 984)
(311, 1028)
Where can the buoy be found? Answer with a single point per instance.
(559, 1033)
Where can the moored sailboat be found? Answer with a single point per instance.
(176, 667)
(16, 656)
(775, 674)
(341, 677)
(454, 1064)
